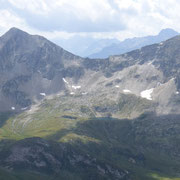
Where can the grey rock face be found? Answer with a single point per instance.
(30, 65)
(31, 68)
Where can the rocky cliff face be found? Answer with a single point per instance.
(32, 68)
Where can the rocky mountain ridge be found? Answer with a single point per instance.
(66, 117)
(39, 68)
(31, 66)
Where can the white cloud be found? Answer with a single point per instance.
(34, 6)
(71, 15)
(8, 19)
(102, 18)
(92, 9)
(127, 4)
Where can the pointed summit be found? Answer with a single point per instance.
(14, 29)
(168, 32)
(25, 42)
(14, 33)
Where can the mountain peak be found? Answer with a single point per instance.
(14, 33)
(168, 32)
(15, 29)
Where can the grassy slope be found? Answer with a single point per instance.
(109, 140)
(53, 115)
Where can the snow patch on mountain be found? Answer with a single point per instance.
(42, 94)
(147, 94)
(65, 81)
(84, 93)
(13, 108)
(126, 91)
(76, 87)
(24, 108)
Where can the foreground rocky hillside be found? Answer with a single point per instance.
(97, 148)
(66, 117)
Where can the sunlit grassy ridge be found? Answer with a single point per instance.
(143, 146)
(65, 111)
(158, 177)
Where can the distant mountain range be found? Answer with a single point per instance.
(132, 44)
(83, 45)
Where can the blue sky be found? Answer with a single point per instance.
(94, 18)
